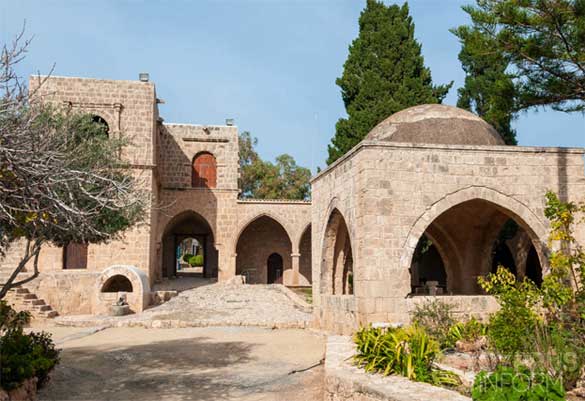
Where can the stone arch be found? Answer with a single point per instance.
(185, 224)
(117, 283)
(250, 220)
(496, 202)
(138, 299)
(260, 237)
(204, 170)
(304, 246)
(337, 256)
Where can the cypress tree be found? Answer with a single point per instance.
(383, 74)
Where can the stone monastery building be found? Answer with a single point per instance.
(430, 200)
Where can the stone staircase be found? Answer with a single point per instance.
(22, 298)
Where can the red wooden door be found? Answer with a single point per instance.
(204, 171)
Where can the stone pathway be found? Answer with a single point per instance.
(272, 306)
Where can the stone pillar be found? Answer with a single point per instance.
(226, 265)
(295, 267)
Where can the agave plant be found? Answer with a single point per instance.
(408, 352)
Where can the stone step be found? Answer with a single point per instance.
(21, 290)
(43, 308)
(34, 302)
(48, 314)
(28, 296)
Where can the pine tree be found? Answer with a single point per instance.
(383, 74)
(545, 42)
(489, 90)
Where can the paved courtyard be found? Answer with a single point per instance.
(219, 363)
(271, 306)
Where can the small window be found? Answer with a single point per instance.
(204, 173)
(75, 256)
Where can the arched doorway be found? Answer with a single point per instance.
(274, 266)
(471, 239)
(189, 247)
(257, 243)
(337, 262)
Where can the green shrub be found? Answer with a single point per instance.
(196, 261)
(512, 328)
(516, 384)
(187, 257)
(469, 331)
(11, 319)
(24, 356)
(436, 318)
(408, 352)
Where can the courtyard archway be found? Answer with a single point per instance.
(258, 247)
(189, 247)
(471, 239)
(337, 262)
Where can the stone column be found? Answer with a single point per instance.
(295, 267)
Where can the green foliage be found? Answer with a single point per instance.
(544, 40)
(408, 352)
(196, 260)
(436, 318)
(23, 355)
(383, 74)
(469, 331)
(511, 329)
(11, 319)
(516, 384)
(261, 179)
(489, 90)
(187, 257)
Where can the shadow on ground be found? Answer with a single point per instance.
(185, 369)
(107, 367)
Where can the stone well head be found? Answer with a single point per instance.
(121, 281)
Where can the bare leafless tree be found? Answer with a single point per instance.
(61, 177)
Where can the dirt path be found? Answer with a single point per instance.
(186, 364)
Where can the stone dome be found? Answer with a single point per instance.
(435, 124)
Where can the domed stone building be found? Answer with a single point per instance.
(429, 201)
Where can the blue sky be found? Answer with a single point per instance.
(270, 65)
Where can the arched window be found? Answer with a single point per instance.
(102, 123)
(204, 173)
(75, 256)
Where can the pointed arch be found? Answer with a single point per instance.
(337, 256)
